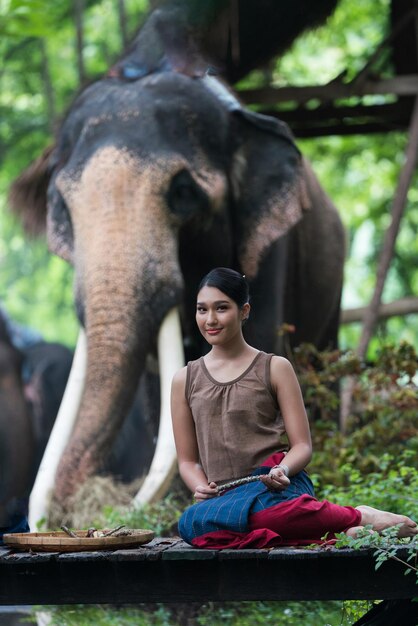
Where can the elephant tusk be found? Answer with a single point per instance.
(60, 435)
(164, 463)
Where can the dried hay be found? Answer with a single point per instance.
(86, 506)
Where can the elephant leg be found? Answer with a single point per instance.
(133, 450)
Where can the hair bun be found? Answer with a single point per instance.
(230, 282)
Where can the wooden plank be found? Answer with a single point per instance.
(335, 120)
(181, 551)
(314, 575)
(170, 571)
(400, 85)
(246, 554)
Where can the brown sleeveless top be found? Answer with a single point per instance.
(238, 423)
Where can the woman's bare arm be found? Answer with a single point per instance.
(289, 397)
(186, 443)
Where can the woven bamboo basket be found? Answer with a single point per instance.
(60, 542)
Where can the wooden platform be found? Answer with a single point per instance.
(167, 570)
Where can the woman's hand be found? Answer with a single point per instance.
(276, 479)
(204, 492)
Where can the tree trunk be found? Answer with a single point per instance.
(123, 23)
(48, 88)
(78, 19)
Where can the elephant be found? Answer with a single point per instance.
(16, 436)
(46, 367)
(33, 377)
(156, 177)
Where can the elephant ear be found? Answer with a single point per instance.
(39, 206)
(27, 194)
(59, 225)
(268, 186)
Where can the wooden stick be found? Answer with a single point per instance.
(114, 530)
(69, 532)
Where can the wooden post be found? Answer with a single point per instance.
(399, 202)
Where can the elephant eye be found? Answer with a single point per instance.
(185, 197)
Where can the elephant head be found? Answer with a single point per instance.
(153, 181)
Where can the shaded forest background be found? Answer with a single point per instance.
(50, 49)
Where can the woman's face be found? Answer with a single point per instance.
(218, 317)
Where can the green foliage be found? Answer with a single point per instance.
(161, 517)
(385, 547)
(393, 488)
(209, 614)
(338, 46)
(283, 613)
(105, 616)
(37, 42)
(353, 610)
(20, 18)
(384, 409)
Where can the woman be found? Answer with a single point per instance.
(231, 410)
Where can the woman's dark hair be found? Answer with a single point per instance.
(231, 283)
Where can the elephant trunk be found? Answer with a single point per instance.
(127, 279)
(118, 340)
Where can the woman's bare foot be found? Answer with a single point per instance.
(379, 520)
(353, 531)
